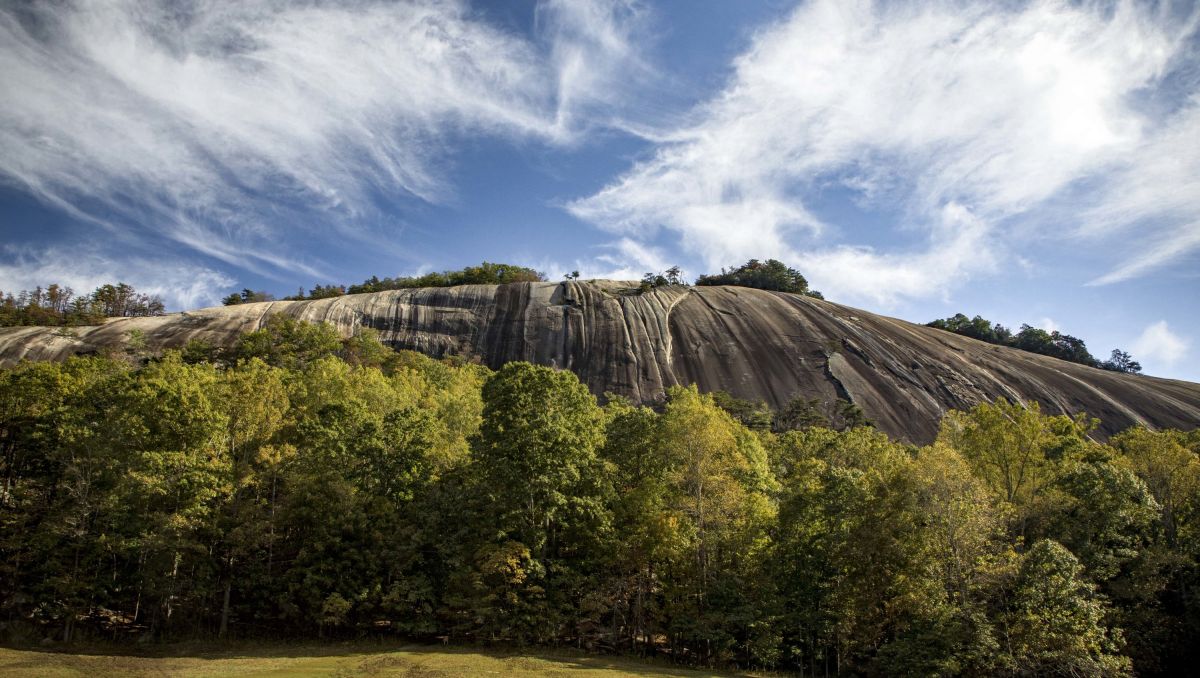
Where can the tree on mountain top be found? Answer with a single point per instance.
(769, 275)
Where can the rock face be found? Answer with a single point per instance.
(752, 343)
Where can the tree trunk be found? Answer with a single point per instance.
(225, 611)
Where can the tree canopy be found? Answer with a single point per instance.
(1036, 340)
(57, 305)
(247, 296)
(307, 485)
(769, 275)
(484, 274)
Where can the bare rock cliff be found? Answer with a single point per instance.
(752, 343)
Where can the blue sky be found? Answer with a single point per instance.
(1027, 161)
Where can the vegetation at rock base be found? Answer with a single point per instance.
(798, 413)
(58, 305)
(1035, 340)
(305, 486)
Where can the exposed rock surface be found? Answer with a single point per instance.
(752, 343)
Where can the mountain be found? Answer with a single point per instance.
(752, 343)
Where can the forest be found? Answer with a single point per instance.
(58, 305)
(301, 485)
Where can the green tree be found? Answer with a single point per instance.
(536, 465)
(1171, 472)
(540, 432)
(1055, 344)
(255, 402)
(1017, 451)
(1106, 517)
(123, 300)
(976, 328)
(853, 568)
(965, 528)
(1121, 361)
(754, 415)
(57, 305)
(1157, 593)
(170, 425)
(768, 275)
(485, 273)
(1055, 624)
(320, 487)
(962, 553)
(326, 291)
(58, 485)
(647, 536)
(718, 482)
(247, 296)
(799, 413)
(284, 341)
(365, 349)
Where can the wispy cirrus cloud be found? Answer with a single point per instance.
(1155, 192)
(595, 58)
(211, 124)
(626, 259)
(957, 117)
(961, 245)
(182, 285)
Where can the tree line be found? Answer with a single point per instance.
(1036, 340)
(58, 305)
(485, 273)
(769, 275)
(302, 485)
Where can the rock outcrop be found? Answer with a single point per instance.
(752, 343)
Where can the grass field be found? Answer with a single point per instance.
(193, 661)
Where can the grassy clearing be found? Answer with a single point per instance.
(277, 661)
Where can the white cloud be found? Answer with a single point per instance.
(1157, 344)
(623, 259)
(1156, 191)
(1174, 243)
(987, 109)
(962, 246)
(593, 49)
(181, 284)
(211, 123)
(627, 259)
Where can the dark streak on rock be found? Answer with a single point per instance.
(754, 344)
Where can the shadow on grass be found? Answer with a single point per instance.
(378, 654)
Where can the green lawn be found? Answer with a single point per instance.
(280, 660)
